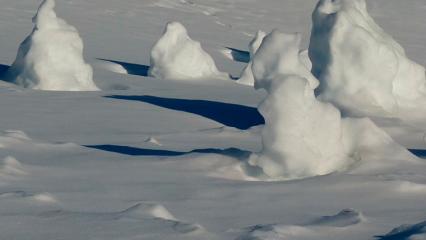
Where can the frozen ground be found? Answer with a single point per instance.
(156, 159)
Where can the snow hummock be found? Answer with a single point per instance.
(177, 57)
(51, 57)
(361, 68)
(303, 136)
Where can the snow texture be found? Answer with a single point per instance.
(177, 57)
(361, 68)
(51, 57)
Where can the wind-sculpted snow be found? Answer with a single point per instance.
(305, 137)
(177, 57)
(51, 57)
(361, 68)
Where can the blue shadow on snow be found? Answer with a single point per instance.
(133, 151)
(231, 115)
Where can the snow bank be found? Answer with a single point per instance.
(303, 136)
(362, 69)
(51, 57)
(177, 57)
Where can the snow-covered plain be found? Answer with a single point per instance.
(154, 159)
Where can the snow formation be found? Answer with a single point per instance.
(177, 57)
(51, 57)
(361, 68)
(303, 136)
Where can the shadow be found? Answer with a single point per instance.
(231, 115)
(405, 232)
(3, 70)
(421, 153)
(133, 151)
(131, 68)
(239, 55)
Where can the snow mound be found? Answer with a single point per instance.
(303, 136)
(51, 57)
(362, 69)
(110, 66)
(345, 218)
(279, 54)
(177, 57)
(18, 140)
(11, 169)
(318, 229)
(247, 77)
(149, 211)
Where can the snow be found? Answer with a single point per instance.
(362, 69)
(51, 57)
(177, 57)
(93, 168)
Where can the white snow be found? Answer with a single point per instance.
(93, 169)
(361, 68)
(177, 57)
(51, 57)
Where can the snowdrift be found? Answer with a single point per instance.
(51, 57)
(361, 68)
(303, 136)
(177, 57)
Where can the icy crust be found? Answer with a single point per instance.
(177, 57)
(51, 57)
(306, 137)
(361, 68)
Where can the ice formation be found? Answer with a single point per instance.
(51, 57)
(177, 57)
(361, 68)
(303, 136)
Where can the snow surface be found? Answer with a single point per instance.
(95, 165)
